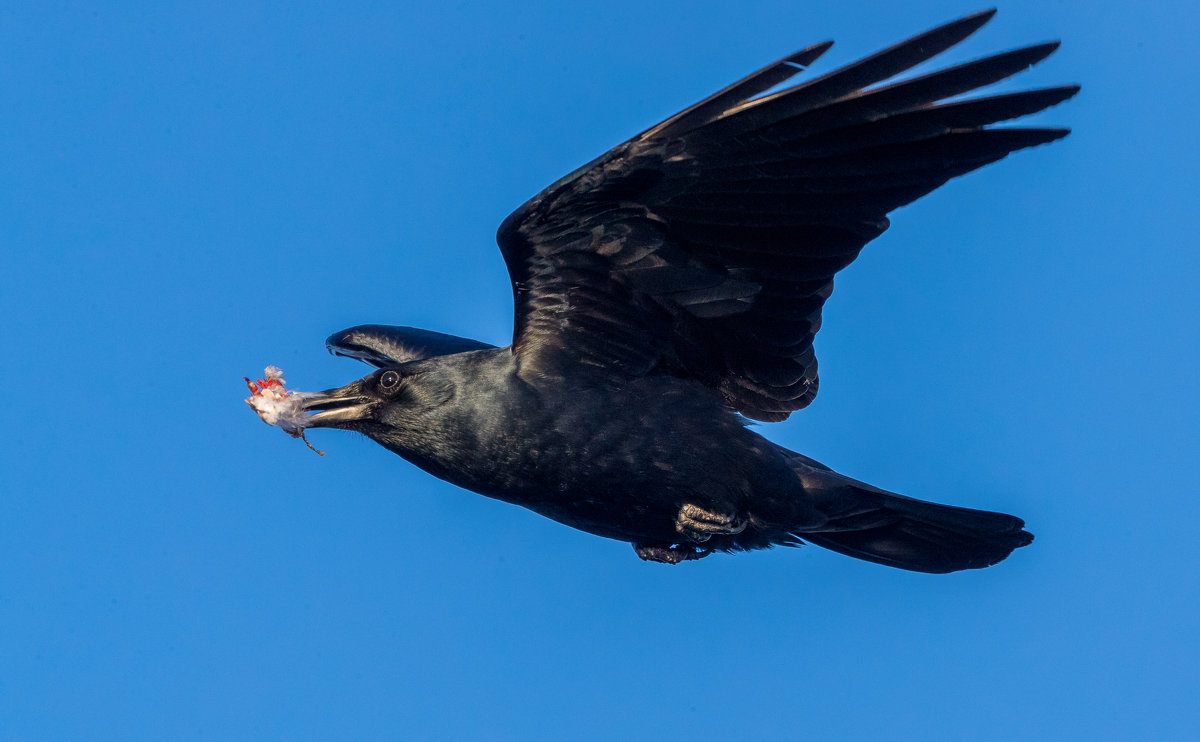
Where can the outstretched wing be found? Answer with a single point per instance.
(707, 245)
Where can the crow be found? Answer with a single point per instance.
(668, 292)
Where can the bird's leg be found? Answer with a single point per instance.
(700, 525)
(670, 554)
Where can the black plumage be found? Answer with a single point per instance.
(671, 288)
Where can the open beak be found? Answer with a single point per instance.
(337, 408)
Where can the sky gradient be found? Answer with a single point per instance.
(192, 193)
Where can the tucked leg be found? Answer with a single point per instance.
(698, 524)
(670, 554)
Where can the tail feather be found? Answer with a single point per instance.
(882, 527)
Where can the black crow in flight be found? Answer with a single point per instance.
(670, 290)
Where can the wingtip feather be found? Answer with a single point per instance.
(808, 55)
(963, 27)
(987, 14)
(1044, 49)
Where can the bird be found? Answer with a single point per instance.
(666, 297)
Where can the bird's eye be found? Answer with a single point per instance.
(389, 380)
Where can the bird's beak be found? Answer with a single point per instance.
(338, 408)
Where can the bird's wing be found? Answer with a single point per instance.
(707, 245)
(387, 345)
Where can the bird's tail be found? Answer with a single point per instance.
(869, 523)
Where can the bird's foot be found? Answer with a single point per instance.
(670, 554)
(700, 525)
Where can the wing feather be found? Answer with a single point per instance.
(706, 246)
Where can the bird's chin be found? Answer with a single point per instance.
(346, 407)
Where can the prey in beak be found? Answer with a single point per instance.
(294, 412)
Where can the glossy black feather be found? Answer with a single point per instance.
(748, 87)
(694, 218)
(854, 77)
(791, 122)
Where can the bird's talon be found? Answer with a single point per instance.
(670, 554)
(700, 525)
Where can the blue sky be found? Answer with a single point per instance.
(191, 193)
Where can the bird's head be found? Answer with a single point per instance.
(385, 405)
(354, 406)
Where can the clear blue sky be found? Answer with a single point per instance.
(190, 193)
